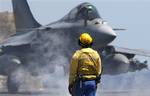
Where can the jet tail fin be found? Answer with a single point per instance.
(23, 16)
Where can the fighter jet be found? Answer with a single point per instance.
(37, 48)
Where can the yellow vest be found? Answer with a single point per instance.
(86, 62)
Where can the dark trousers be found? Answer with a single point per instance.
(85, 88)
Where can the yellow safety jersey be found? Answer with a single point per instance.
(86, 62)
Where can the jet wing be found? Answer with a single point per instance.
(19, 39)
(140, 52)
(23, 37)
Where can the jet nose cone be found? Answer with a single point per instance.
(107, 34)
(110, 33)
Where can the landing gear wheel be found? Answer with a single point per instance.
(12, 84)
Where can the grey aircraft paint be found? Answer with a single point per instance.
(25, 20)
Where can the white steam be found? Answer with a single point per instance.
(48, 60)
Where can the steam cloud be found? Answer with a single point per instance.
(48, 59)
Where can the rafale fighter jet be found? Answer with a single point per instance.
(38, 48)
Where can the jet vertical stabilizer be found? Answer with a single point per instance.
(23, 16)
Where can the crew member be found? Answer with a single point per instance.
(85, 69)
